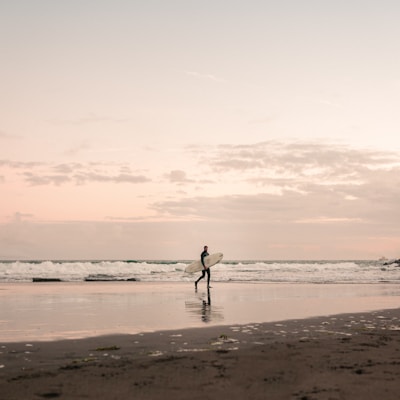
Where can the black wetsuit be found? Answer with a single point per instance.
(203, 272)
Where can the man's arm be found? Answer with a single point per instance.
(203, 254)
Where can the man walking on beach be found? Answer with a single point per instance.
(203, 273)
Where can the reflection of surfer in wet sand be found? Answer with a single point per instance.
(199, 307)
(203, 272)
(206, 308)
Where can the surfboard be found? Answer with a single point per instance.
(209, 261)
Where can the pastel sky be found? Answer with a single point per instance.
(146, 129)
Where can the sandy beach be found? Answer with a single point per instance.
(318, 354)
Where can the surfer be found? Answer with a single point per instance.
(203, 273)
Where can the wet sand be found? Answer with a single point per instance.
(338, 357)
(344, 356)
(54, 311)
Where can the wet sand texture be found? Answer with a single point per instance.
(327, 358)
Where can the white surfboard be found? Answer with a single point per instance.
(209, 261)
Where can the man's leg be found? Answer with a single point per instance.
(203, 274)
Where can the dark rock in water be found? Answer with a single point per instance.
(101, 280)
(93, 279)
(46, 280)
(393, 262)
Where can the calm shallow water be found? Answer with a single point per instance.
(51, 311)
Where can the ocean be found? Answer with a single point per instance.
(331, 272)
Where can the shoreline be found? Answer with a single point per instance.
(345, 356)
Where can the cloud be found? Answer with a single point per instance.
(178, 176)
(198, 75)
(301, 163)
(151, 218)
(90, 118)
(319, 205)
(265, 120)
(325, 220)
(82, 178)
(68, 168)
(313, 183)
(20, 164)
(270, 199)
(330, 103)
(5, 135)
(87, 177)
(38, 179)
(73, 151)
(37, 174)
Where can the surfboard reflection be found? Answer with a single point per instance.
(201, 307)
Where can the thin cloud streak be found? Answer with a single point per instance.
(210, 77)
(91, 118)
(40, 174)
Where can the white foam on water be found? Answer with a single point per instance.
(227, 271)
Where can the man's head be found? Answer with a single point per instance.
(205, 247)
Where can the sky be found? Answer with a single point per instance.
(146, 129)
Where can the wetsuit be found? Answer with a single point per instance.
(203, 272)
